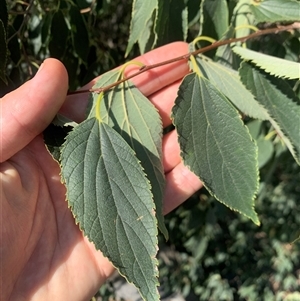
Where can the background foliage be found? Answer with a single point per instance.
(213, 253)
(88, 37)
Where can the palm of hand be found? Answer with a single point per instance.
(43, 254)
(49, 239)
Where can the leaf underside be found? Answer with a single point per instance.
(216, 145)
(134, 117)
(270, 64)
(175, 27)
(111, 200)
(214, 16)
(224, 54)
(242, 16)
(275, 10)
(280, 102)
(228, 82)
(140, 26)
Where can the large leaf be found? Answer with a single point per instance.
(270, 64)
(275, 10)
(277, 98)
(216, 145)
(228, 82)
(130, 113)
(111, 200)
(141, 23)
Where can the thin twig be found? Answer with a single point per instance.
(143, 69)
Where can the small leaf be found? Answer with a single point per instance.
(265, 150)
(14, 45)
(241, 17)
(59, 35)
(133, 116)
(270, 64)
(148, 40)
(215, 16)
(80, 34)
(140, 25)
(111, 200)
(275, 10)
(277, 98)
(173, 28)
(228, 82)
(265, 146)
(254, 127)
(3, 13)
(216, 145)
(45, 30)
(224, 54)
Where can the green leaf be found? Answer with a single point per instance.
(277, 98)
(3, 52)
(13, 45)
(80, 34)
(175, 27)
(242, 16)
(265, 150)
(265, 146)
(83, 4)
(228, 82)
(275, 10)
(215, 18)
(141, 22)
(131, 114)
(3, 13)
(273, 65)
(45, 30)
(59, 35)
(193, 12)
(148, 40)
(111, 200)
(254, 127)
(216, 145)
(224, 54)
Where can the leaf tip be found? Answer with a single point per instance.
(253, 216)
(256, 221)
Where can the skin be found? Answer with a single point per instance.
(43, 254)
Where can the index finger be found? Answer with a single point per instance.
(148, 82)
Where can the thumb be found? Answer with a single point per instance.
(28, 110)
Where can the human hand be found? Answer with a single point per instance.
(43, 254)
